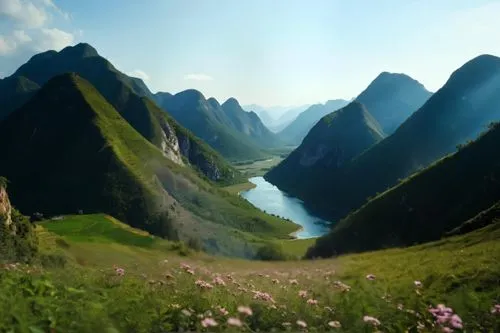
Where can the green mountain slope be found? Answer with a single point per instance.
(249, 124)
(333, 141)
(391, 98)
(208, 121)
(68, 149)
(127, 95)
(296, 131)
(458, 112)
(425, 206)
(14, 92)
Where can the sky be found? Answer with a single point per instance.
(267, 52)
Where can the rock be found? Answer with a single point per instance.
(5, 208)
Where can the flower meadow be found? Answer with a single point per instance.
(196, 296)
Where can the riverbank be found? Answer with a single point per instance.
(238, 188)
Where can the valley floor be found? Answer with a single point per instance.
(123, 280)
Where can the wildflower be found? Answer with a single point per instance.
(209, 322)
(190, 271)
(286, 324)
(219, 281)
(371, 320)
(311, 301)
(496, 309)
(303, 293)
(263, 296)
(342, 286)
(185, 266)
(119, 271)
(223, 311)
(370, 277)
(456, 322)
(203, 285)
(417, 284)
(234, 322)
(445, 318)
(245, 310)
(275, 281)
(301, 323)
(169, 276)
(185, 312)
(334, 324)
(294, 282)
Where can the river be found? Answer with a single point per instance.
(272, 200)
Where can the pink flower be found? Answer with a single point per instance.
(209, 322)
(303, 293)
(456, 322)
(119, 271)
(495, 309)
(234, 322)
(262, 296)
(334, 324)
(417, 284)
(371, 320)
(203, 285)
(370, 277)
(223, 311)
(245, 310)
(219, 281)
(311, 301)
(301, 323)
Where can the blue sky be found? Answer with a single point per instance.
(268, 52)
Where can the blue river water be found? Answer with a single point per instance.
(272, 200)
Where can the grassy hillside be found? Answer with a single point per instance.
(75, 280)
(129, 96)
(425, 206)
(456, 113)
(104, 165)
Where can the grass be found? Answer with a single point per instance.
(461, 272)
(237, 188)
(258, 168)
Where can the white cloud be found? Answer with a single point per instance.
(198, 77)
(7, 46)
(140, 74)
(53, 39)
(51, 4)
(23, 12)
(21, 36)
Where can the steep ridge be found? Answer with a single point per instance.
(207, 120)
(391, 98)
(68, 149)
(458, 112)
(333, 141)
(249, 124)
(425, 206)
(129, 96)
(296, 131)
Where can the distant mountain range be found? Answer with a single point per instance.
(278, 117)
(302, 124)
(236, 134)
(456, 113)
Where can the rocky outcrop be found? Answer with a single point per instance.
(5, 208)
(191, 150)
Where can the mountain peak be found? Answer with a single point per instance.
(213, 102)
(82, 50)
(232, 103)
(191, 94)
(475, 70)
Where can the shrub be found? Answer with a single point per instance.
(271, 252)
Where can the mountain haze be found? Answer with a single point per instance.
(334, 140)
(456, 113)
(300, 126)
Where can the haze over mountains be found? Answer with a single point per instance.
(276, 118)
(457, 112)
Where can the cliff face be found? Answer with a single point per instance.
(5, 208)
